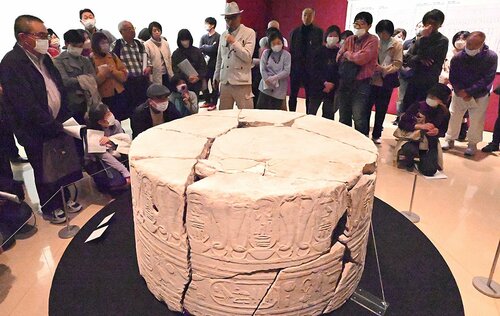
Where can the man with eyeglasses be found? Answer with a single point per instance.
(361, 50)
(35, 105)
(133, 54)
(233, 69)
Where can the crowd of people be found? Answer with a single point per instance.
(99, 80)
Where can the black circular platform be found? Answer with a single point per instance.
(102, 277)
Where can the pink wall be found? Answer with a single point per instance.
(288, 13)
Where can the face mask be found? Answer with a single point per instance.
(87, 44)
(208, 28)
(104, 48)
(75, 51)
(431, 102)
(182, 87)
(55, 42)
(472, 52)
(42, 45)
(89, 23)
(341, 42)
(277, 48)
(185, 44)
(419, 30)
(331, 41)
(161, 107)
(460, 44)
(111, 120)
(359, 32)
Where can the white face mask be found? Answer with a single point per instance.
(42, 45)
(432, 103)
(472, 52)
(105, 48)
(75, 51)
(359, 32)
(331, 41)
(87, 44)
(185, 44)
(161, 107)
(111, 120)
(208, 28)
(55, 42)
(89, 23)
(418, 30)
(460, 44)
(182, 87)
(341, 42)
(277, 48)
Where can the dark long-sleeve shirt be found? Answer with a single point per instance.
(195, 57)
(325, 69)
(437, 116)
(433, 47)
(209, 46)
(475, 74)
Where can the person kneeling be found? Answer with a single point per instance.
(419, 130)
(116, 175)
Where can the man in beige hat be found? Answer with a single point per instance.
(233, 70)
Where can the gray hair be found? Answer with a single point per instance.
(120, 25)
(273, 23)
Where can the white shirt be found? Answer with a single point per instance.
(53, 94)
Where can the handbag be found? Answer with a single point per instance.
(413, 136)
(348, 70)
(60, 160)
(390, 81)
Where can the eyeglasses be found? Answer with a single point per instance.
(359, 24)
(38, 35)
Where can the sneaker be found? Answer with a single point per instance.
(491, 147)
(377, 141)
(448, 144)
(471, 150)
(74, 207)
(56, 217)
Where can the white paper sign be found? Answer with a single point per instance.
(93, 142)
(106, 219)
(188, 69)
(96, 233)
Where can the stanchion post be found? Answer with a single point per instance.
(414, 218)
(70, 230)
(486, 285)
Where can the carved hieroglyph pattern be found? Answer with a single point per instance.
(275, 223)
(158, 187)
(253, 234)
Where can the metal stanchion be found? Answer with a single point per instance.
(414, 218)
(70, 230)
(486, 285)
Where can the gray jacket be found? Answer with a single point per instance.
(70, 67)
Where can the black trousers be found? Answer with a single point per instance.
(135, 93)
(298, 79)
(496, 130)
(416, 92)
(267, 102)
(428, 164)
(380, 97)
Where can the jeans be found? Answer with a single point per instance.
(380, 97)
(352, 100)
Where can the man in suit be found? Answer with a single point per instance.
(155, 111)
(233, 69)
(34, 103)
(304, 41)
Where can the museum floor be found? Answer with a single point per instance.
(460, 215)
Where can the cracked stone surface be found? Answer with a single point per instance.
(235, 212)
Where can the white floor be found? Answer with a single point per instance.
(460, 215)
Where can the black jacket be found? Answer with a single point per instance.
(25, 98)
(432, 47)
(324, 67)
(141, 120)
(302, 49)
